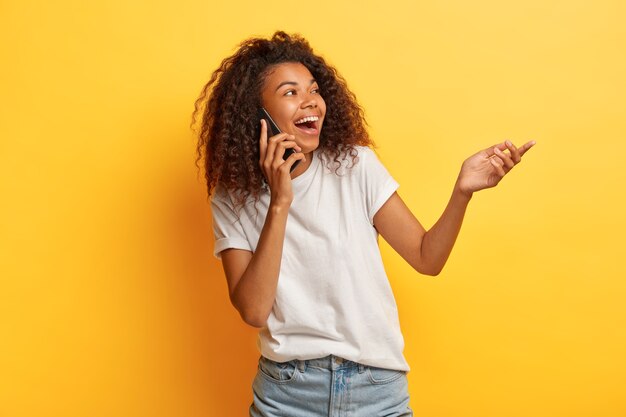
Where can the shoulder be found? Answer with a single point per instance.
(224, 198)
(220, 195)
(364, 151)
(359, 157)
(366, 158)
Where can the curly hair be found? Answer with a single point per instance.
(229, 102)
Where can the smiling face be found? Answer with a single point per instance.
(291, 96)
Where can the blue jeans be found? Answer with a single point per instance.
(329, 386)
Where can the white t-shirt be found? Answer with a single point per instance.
(333, 296)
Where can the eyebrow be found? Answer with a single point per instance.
(291, 83)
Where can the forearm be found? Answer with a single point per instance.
(438, 242)
(256, 290)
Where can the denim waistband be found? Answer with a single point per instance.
(330, 362)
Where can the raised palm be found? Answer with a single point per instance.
(486, 168)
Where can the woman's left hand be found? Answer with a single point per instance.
(486, 168)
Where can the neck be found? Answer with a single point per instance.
(302, 166)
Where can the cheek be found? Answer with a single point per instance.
(322, 105)
(287, 112)
(283, 116)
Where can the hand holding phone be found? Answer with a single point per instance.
(274, 130)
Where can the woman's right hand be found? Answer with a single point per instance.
(277, 171)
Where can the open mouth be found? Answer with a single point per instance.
(310, 125)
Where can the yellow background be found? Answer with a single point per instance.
(111, 303)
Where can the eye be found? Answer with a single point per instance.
(290, 91)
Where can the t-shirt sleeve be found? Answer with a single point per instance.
(227, 228)
(378, 184)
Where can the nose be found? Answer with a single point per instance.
(310, 100)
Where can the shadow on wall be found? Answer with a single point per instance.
(221, 350)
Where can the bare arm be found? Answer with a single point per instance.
(253, 277)
(428, 251)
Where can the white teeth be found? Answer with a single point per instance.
(307, 119)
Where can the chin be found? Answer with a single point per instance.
(308, 145)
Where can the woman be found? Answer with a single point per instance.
(299, 246)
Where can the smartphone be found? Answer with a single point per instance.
(272, 130)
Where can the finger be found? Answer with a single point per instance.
(286, 166)
(262, 142)
(280, 149)
(505, 158)
(276, 139)
(497, 159)
(525, 147)
(271, 148)
(282, 152)
(497, 165)
(515, 156)
(490, 150)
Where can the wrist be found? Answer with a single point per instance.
(460, 192)
(278, 208)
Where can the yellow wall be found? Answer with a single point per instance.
(111, 303)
